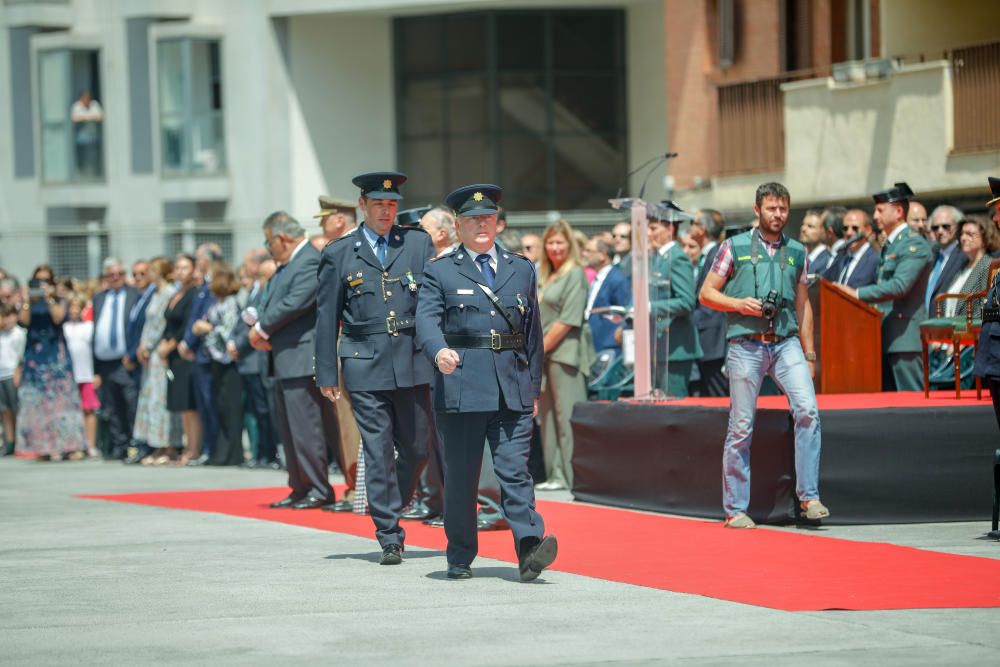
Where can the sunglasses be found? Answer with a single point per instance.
(621, 236)
(934, 228)
(116, 274)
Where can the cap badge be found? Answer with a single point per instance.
(478, 196)
(387, 184)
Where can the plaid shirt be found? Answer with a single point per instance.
(724, 264)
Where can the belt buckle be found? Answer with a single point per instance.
(391, 327)
(495, 341)
(769, 338)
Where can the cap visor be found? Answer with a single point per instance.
(322, 214)
(993, 201)
(383, 195)
(477, 211)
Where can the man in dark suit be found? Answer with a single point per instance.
(949, 260)
(369, 282)
(478, 321)
(811, 235)
(252, 366)
(118, 390)
(286, 329)
(858, 266)
(133, 332)
(621, 234)
(191, 349)
(707, 228)
(610, 288)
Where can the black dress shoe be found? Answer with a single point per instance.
(436, 522)
(392, 555)
(342, 505)
(284, 502)
(416, 512)
(136, 455)
(459, 572)
(310, 503)
(538, 558)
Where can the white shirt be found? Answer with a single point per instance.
(816, 252)
(295, 252)
(707, 248)
(102, 333)
(78, 341)
(895, 233)
(12, 351)
(855, 260)
(665, 249)
(492, 252)
(595, 287)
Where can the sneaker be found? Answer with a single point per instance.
(740, 520)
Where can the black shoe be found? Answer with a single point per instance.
(7, 449)
(392, 555)
(459, 572)
(418, 511)
(538, 558)
(436, 522)
(342, 505)
(116, 455)
(284, 502)
(311, 503)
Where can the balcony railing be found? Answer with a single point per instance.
(976, 95)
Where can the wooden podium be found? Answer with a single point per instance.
(848, 335)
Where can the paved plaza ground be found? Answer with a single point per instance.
(92, 582)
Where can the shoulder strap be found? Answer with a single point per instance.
(499, 306)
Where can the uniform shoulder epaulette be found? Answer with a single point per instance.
(517, 254)
(348, 235)
(450, 253)
(408, 228)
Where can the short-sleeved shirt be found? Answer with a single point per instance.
(724, 264)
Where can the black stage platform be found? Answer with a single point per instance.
(887, 458)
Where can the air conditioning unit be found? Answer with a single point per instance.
(858, 71)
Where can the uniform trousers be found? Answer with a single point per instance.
(393, 421)
(509, 436)
(563, 387)
(903, 371)
(304, 416)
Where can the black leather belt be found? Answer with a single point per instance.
(991, 315)
(390, 325)
(493, 341)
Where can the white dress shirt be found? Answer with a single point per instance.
(595, 287)
(492, 252)
(102, 335)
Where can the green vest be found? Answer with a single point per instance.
(769, 276)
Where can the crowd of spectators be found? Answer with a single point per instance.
(153, 365)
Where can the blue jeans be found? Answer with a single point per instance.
(748, 362)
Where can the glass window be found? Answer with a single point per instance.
(531, 100)
(72, 118)
(190, 99)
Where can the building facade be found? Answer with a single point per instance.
(213, 113)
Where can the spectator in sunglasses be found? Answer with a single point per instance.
(949, 260)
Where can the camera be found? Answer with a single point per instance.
(771, 305)
(36, 290)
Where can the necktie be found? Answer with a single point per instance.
(380, 250)
(847, 265)
(484, 265)
(932, 281)
(114, 321)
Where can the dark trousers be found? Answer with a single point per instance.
(228, 407)
(713, 382)
(119, 395)
(994, 384)
(203, 400)
(509, 437)
(258, 405)
(398, 420)
(301, 422)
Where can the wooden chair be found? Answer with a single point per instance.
(955, 332)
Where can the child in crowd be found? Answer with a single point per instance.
(79, 336)
(12, 340)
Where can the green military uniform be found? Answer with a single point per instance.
(671, 302)
(899, 294)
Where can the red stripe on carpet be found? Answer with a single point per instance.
(879, 401)
(763, 567)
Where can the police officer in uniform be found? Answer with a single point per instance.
(899, 292)
(988, 353)
(369, 281)
(478, 321)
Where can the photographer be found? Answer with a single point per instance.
(765, 297)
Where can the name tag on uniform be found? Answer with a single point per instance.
(465, 292)
(356, 282)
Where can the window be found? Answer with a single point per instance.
(531, 100)
(72, 118)
(188, 224)
(190, 101)
(77, 241)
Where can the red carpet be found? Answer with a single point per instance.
(764, 567)
(902, 399)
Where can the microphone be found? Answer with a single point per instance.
(659, 159)
(851, 241)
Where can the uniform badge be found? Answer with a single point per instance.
(411, 282)
(520, 304)
(478, 196)
(913, 248)
(387, 184)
